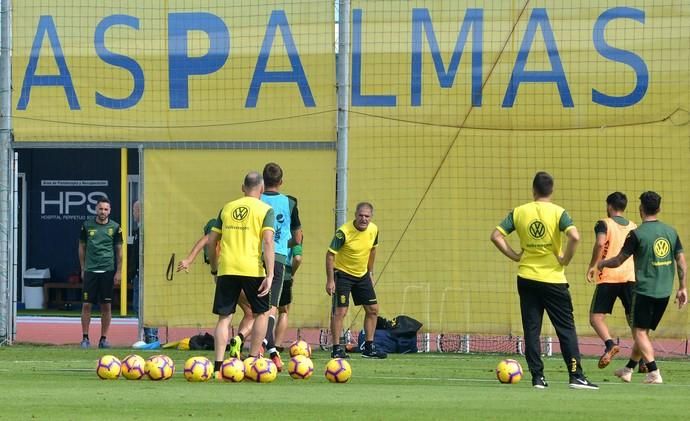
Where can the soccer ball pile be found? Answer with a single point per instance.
(509, 371)
(338, 370)
(260, 370)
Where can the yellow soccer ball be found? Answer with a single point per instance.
(262, 370)
(300, 347)
(509, 371)
(159, 367)
(232, 370)
(338, 370)
(133, 367)
(108, 367)
(198, 369)
(300, 367)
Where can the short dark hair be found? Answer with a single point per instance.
(617, 200)
(273, 174)
(103, 199)
(252, 180)
(543, 184)
(650, 202)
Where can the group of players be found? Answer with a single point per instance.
(643, 284)
(254, 248)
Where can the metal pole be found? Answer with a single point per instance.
(6, 199)
(343, 86)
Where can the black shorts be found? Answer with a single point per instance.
(228, 289)
(605, 297)
(98, 287)
(361, 288)
(277, 284)
(646, 312)
(286, 295)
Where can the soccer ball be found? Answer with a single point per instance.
(159, 367)
(198, 369)
(300, 367)
(133, 367)
(232, 370)
(108, 367)
(509, 371)
(262, 370)
(248, 372)
(300, 347)
(338, 371)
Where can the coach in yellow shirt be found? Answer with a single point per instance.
(349, 270)
(245, 230)
(541, 227)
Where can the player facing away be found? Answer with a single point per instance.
(286, 224)
(541, 226)
(100, 259)
(245, 263)
(611, 283)
(350, 270)
(247, 321)
(655, 247)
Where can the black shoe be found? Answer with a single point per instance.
(339, 353)
(539, 382)
(581, 383)
(373, 353)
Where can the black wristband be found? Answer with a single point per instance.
(214, 272)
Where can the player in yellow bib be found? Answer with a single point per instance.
(244, 228)
(541, 283)
(612, 283)
(349, 270)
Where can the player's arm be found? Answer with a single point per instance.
(213, 238)
(370, 264)
(269, 261)
(118, 271)
(566, 225)
(267, 234)
(599, 243)
(296, 258)
(628, 249)
(682, 268)
(499, 240)
(185, 263)
(117, 240)
(330, 272)
(82, 257)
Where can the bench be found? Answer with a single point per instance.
(61, 287)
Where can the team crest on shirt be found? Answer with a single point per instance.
(339, 235)
(536, 229)
(92, 233)
(661, 247)
(240, 213)
(110, 232)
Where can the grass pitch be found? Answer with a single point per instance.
(60, 383)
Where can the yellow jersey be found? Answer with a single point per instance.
(352, 247)
(540, 227)
(241, 224)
